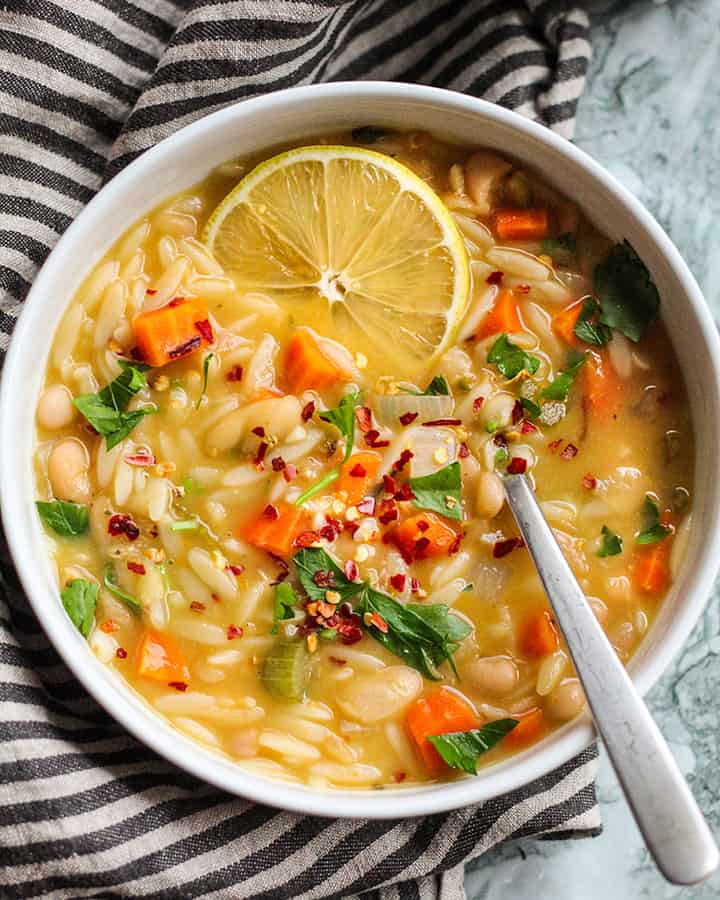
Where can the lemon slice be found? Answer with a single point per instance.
(352, 243)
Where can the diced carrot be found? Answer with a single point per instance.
(603, 388)
(307, 367)
(160, 658)
(440, 713)
(521, 224)
(528, 729)
(651, 569)
(565, 321)
(357, 476)
(539, 635)
(424, 535)
(502, 317)
(173, 331)
(276, 528)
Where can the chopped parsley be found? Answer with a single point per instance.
(530, 407)
(561, 248)
(460, 749)
(67, 519)
(559, 387)
(206, 367)
(438, 387)
(653, 530)
(106, 410)
(110, 582)
(611, 544)
(510, 359)
(284, 603)
(79, 597)
(439, 491)
(628, 297)
(588, 328)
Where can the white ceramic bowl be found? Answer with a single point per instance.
(297, 114)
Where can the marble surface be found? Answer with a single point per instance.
(650, 116)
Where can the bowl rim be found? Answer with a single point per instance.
(147, 725)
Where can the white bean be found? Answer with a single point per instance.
(489, 497)
(497, 675)
(566, 700)
(374, 697)
(55, 407)
(68, 470)
(482, 170)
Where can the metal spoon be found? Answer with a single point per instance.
(674, 829)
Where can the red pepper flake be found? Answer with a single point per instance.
(404, 459)
(176, 301)
(589, 482)
(197, 606)
(349, 634)
(363, 417)
(205, 329)
(260, 455)
(328, 533)
(527, 427)
(389, 484)
(569, 452)
(500, 440)
(495, 277)
(336, 661)
(235, 570)
(308, 411)
(259, 431)
(422, 525)
(351, 527)
(463, 451)
(108, 626)
(477, 404)
(387, 512)
(183, 349)
(398, 581)
(215, 598)
(455, 546)
(234, 631)
(517, 465)
(121, 653)
(151, 291)
(278, 463)
(371, 439)
(178, 685)
(140, 459)
(517, 412)
(335, 524)
(235, 374)
(433, 422)
(358, 471)
(284, 569)
(122, 524)
(405, 492)
(366, 506)
(502, 548)
(408, 417)
(289, 472)
(522, 288)
(399, 776)
(136, 567)
(553, 445)
(420, 546)
(306, 539)
(377, 620)
(324, 578)
(352, 573)
(414, 586)
(271, 512)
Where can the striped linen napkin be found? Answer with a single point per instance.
(85, 86)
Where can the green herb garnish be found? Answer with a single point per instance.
(588, 328)
(67, 519)
(628, 297)
(611, 543)
(79, 597)
(314, 563)
(460, 749)
(510, 359)
(561, 248)
(654, 530)
(106, 410)
(559, 387)
(284, 603)
(110, 582)
(440, 491)
(530, 407)
(206, 366)
(343, 418)
(438, 387)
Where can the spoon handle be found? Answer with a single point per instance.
(674, 829)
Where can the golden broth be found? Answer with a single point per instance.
(191, 476)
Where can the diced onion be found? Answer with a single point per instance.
(389, 407)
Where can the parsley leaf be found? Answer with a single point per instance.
(460, 749)
(67, 519)
(79, 597)
(343, 418)
(510, 359)
(654, 530)
(530, 407)
(206, 366)
(439, 491)
(284, 604)
(562, 248)
(438, 387)
(612, 544)
(314, 563)
(110, 582)
(559, 387)
(628, 297)
(106, 410)
(422, 636)
(587, 328)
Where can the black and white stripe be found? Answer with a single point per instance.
(85, 86)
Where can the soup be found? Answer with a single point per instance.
(271, 444)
